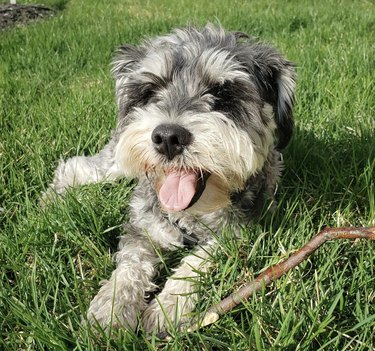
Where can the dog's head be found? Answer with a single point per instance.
(200, 110)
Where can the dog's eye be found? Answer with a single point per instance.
(217, 91)
(146, 93)
(222, 90)
(227, 98)
(140, 94)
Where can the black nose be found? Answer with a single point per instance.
(170, 139)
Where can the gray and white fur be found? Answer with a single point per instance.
(203, 115)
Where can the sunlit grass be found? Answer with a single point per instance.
(57, 100)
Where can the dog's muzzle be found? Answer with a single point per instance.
(181, 189)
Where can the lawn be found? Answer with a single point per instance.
(57, 100)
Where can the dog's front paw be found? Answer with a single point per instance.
(107, 313)
(157, 318)
(48, 197)
(167, 312)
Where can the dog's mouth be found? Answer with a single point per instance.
(181, 189)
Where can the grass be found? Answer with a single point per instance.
(57, 99)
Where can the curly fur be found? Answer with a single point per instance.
(234, 96)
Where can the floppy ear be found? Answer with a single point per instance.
(123, 64)
(286, 82)
(275, 77)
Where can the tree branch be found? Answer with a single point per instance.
(274, 272)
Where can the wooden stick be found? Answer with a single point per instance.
(274, 272)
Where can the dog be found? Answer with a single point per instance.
(203, 114)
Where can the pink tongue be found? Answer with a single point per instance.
(178, 190)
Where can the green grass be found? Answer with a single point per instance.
(57, 99)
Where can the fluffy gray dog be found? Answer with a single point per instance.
(203, 115)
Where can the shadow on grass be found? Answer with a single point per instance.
(337, 172)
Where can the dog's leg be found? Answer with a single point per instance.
(81, 170)
(179, 297)
(122, 297)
